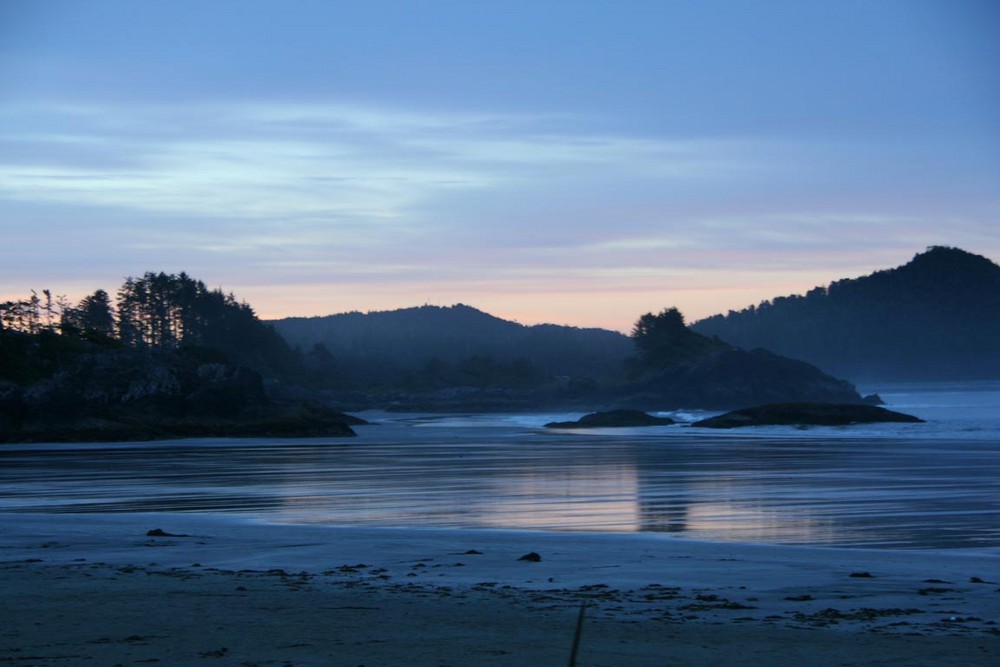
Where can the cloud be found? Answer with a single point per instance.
(278, 161)
(261, 181)
(363, 206)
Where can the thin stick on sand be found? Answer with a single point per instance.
(576, 634)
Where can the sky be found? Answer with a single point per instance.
(573, 162)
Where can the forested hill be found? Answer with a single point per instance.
(170, 358)
(441, 346)
(935, 318)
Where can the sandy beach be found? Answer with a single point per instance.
(98, 590)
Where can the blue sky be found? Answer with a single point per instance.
(568, 162)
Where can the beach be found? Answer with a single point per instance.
(100, 590)
(407, 545)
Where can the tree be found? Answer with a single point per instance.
(171, 311)
(157, 310)
(23, 316)
(663, 340)
(654, 335)
(93, 316)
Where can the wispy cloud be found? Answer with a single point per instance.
(359, 206)
(282, 162)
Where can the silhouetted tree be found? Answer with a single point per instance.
(24, 316)
(656, 336)
(663, 340)
(93, 316)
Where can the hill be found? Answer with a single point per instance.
(430, 347)
(934, 318)
(433, 359)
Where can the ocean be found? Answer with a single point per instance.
(902, 486)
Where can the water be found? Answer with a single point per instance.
(934, 485)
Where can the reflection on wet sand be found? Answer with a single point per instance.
(809, 491)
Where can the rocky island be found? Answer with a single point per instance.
(614, 419)
(806, 414)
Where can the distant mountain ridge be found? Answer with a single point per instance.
(934, 318)
(443, 359)
(384, 346)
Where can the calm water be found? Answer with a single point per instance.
(934, 485)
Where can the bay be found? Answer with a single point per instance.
(917, 486)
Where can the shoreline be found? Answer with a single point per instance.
(329, 596)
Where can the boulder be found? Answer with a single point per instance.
(805, 414)
(613, 419)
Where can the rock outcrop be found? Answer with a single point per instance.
(731, 378)
(613, 419)
(130, 394)
(806, 414)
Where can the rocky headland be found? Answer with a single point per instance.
(128, 394)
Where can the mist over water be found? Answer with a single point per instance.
(934, 485)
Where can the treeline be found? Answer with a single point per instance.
(156, 311)
(418, 349)
(414, 350)
(476, 371)
(935, 318)
(36, 313)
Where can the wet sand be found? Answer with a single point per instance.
(98, 590)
